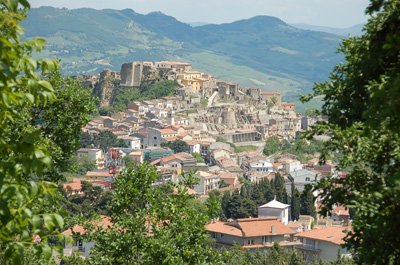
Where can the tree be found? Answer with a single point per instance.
(295, 203)
(272, 145)
(177, 146)
(214, 205)
(86, 140)
(362, 102)
(151, 224)
(199, 157)
(62, 119)
(24, 151)
(280, 188)
(307, 202)
(82, 165)
(106, 139)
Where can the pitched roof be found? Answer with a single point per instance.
(251, 227)
(332, 234)
(275, 204)
(104, 222)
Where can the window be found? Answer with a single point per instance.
(307, 179)
(250, 242)
(155, 137)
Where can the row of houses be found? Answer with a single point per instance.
(269, 228)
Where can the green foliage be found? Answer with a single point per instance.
(362, 102)
(199, 157)
(62, 119)
(152, 224)
(312, 112)
(125, 95)
(213, 203)
(245, 203)
(177, 146)
(245, 148)
(307, 202)
(104, 140)
(204, 102)
(82, 165)
(23, 149)
(280, 189)
(272, 145)
(94, 200)
(276, 255)
(295, 203)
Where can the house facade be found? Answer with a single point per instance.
(252, 233)
(324, 243)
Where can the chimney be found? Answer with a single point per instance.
(273, 230)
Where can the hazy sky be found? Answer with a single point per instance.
(332, 13)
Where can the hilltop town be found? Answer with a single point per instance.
(217, 131)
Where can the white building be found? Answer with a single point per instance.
(290, 165)
(132, 142)
(275, 209)
(262, 166)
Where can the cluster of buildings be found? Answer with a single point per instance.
(231, 116)
(272, 226)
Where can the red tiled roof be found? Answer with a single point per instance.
(250, 227)
(332, 234)
(104, 222)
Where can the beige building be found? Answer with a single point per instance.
(93, 154)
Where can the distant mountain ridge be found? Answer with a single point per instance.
(353, 30)
(263, 51)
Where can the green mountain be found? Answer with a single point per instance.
(355, 30)
(261, 51)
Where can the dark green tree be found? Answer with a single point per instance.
(199, 157)
(106, 139)
(86, 140)
(177, 146)
(307, 202)
(295, 203)
(214, 205)
(280, 188)
(272, 145)
(62, 119)
(362, 102)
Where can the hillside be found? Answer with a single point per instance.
(353, 30)
(261, 51)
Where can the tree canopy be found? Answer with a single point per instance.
(362, 102)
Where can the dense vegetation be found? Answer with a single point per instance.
(104, 140)
(177, 146)
(41, 115)
(362, 102)
(303, 149)
(244, 203)
(124, 95)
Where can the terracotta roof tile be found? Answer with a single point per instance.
(332, 234)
